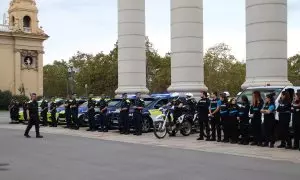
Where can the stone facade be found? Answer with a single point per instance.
(21, 49)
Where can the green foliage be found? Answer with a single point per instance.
(5, 98)
(20, 98)
(294, 69)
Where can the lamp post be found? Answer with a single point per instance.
(86, 87)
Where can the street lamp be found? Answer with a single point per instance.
(86, 87)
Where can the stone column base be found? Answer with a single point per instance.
(132, 90)
(195, 89)
(265, 82)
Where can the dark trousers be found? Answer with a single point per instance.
(91, 118)
(25, 115)
(256, 129)
(215, 127)
(232, 128)
(45, 120)
(74, 117)
(68, 118)
(296, 128)
(244, 130)
(203, 122)
(33, 121)
(137, 120)
(284, 124)
(103, 122)
(124, 122)
(225, 125)
(53, 119)
(269, 129)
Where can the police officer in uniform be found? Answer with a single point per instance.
(10, 108)
(124, 115)
(33, 116)
(269, 121)
(243, 118)
(296, 120)
(91, 114)
(15, 111)
(103, 110)
(68, 112)
(24, 105)
(214, 113)
(233, 111)
(224, 114)
(178, 110)
(255, 114)
(44, 110)
(203, 111)
(74, 112)
(53, 107)
(139, 105)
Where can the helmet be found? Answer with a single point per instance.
(189, 95)
(227, 93)
(174, 95)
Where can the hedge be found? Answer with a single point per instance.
(6, 97)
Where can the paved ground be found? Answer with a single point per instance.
(73, 155)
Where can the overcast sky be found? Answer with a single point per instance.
(91, 25)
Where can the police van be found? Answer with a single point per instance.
(265, 90)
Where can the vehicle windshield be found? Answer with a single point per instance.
(263, 91)
(84, 104)
(114, 102)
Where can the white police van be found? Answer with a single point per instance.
(265, 90)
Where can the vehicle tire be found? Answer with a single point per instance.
(146, 125)
(186, 128)
(159, 131)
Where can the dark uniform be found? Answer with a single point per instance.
(10, 107)
(44, 107)
(296, 124)
(215, 119)
(138, 116)
(176, 113)
(256, 123)
(203, 111)
(91, 114)
(103, 118)
(68, 113)
(15, 111)
(224, 114)
(244, 123)
(124, 117)
(24, 105)
(233, 113)
(53, 114)
(284, 110)
(269, 125)
(33, 109)
(74, 113)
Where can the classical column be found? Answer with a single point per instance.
(40, 90)
(131, 47)
(187, 47)
(266, 43)
(17, 71)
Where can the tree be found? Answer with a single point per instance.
(294, 69)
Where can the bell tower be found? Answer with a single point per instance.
(21, 49)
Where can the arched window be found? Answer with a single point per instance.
(12, 21)
(26, 22)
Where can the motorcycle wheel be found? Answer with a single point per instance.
(158, 129)
(186, 128)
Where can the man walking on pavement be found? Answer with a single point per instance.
(33, 117)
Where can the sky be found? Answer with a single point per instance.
(90, 26)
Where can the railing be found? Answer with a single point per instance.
(4, 28)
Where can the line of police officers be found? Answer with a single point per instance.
(218, 114)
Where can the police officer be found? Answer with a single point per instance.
(53, 107)
(232, 121)
(269, 121)
(224, 114)
(74, 112)
(33, 116)
(68, 112)
(178, 105)
(255, 114)
(10, 108)
(139, 105)
(103, 111)
(243, 118)
(284, 110)
(91, 114)
(203, 111)
(44, 111)
(15, 111)
(214, 113)
(124, 115)
(296, 120)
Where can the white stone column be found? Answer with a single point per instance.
(266, 43)
(17, 71)
(131, 47)
(187, 47)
